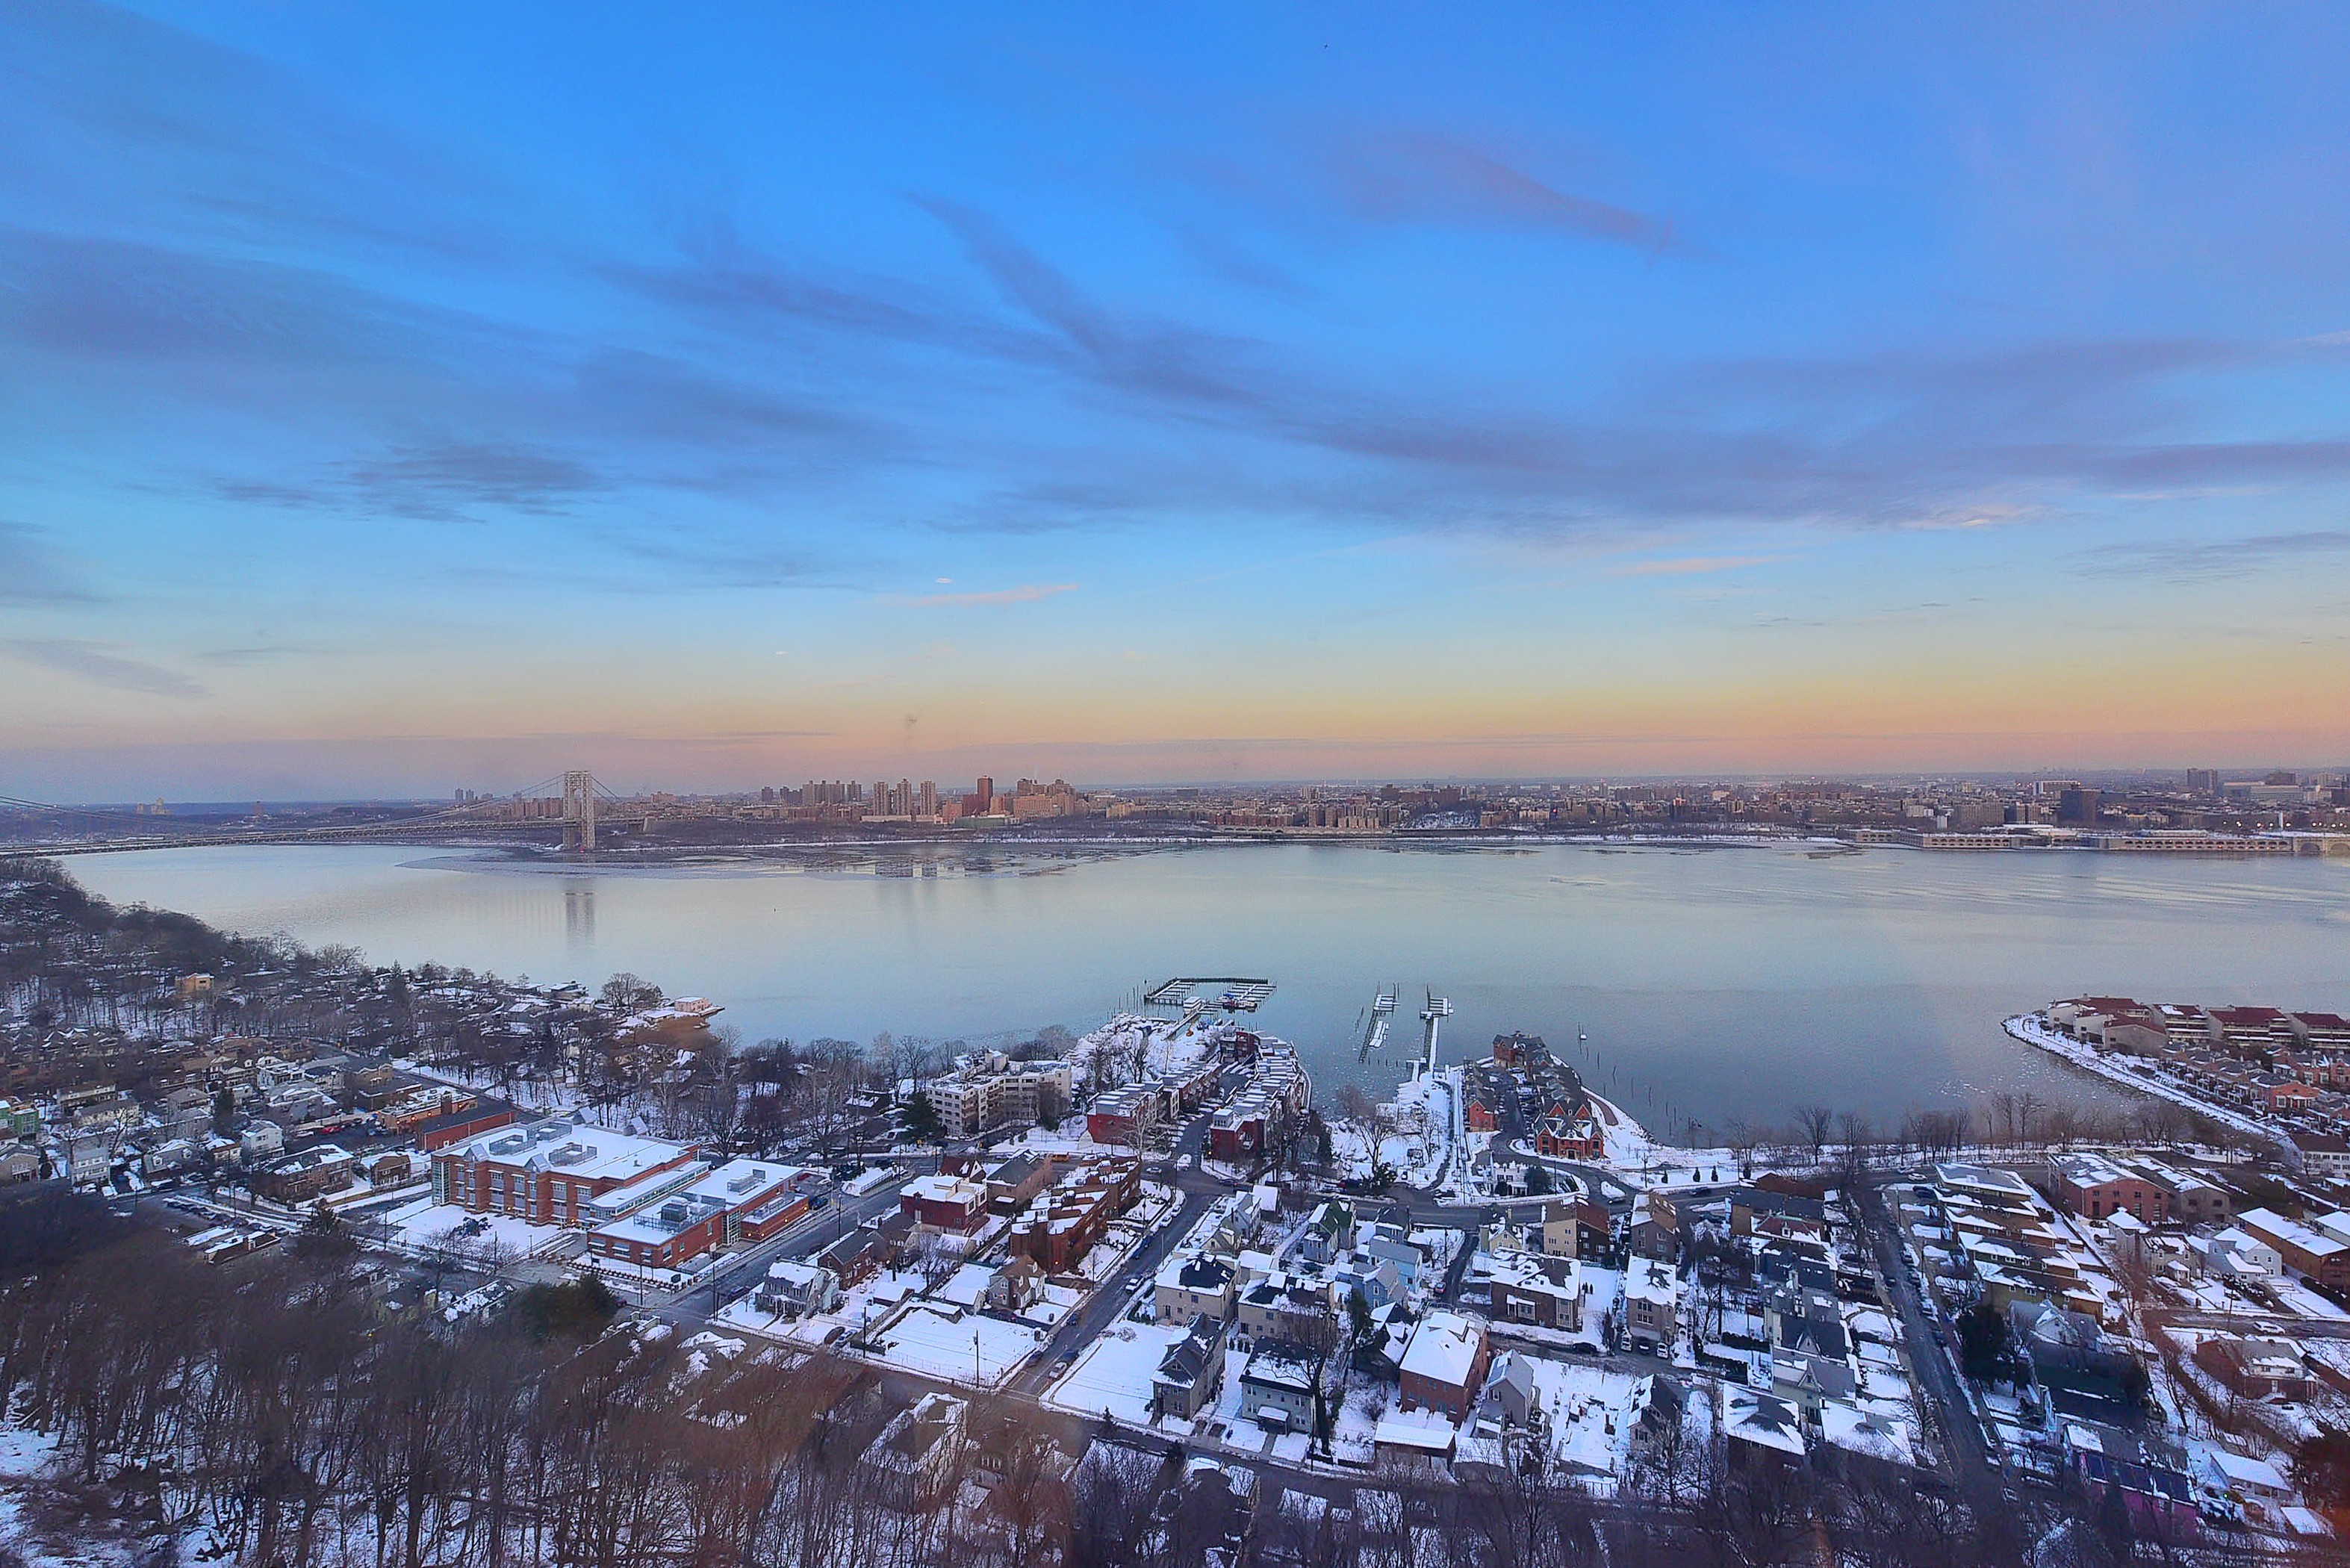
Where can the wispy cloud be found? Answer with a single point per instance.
(1409, 175)
(1689, 565)
(28, 573)
(1027, 594)
(101, 664)
(2189, 561)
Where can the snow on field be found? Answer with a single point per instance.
(960, 1347)
(425, 1223)
(1114, 1373)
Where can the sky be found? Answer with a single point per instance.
(401, 398)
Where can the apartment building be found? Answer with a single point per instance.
(991, 1091)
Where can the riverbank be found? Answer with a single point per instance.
(2033, 1030)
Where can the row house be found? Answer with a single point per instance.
(2325, 1154)
(1065, 1221)
(1570, 1137)
(1277, 1088)
(1128, 1114)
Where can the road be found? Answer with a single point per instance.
(1106, 1305)
(1970, 1458)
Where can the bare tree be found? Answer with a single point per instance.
(1813, 1125)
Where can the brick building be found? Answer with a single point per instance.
(549, 1173)
(2096, 1187)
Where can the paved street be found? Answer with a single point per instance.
(1971, 1470)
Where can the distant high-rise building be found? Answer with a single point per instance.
(2077, 806)
(2203, 781)
(929, 805)
(985, 793)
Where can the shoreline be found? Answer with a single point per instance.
(2028, 1029)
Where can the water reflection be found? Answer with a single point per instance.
(1740, 983)
(578, 915)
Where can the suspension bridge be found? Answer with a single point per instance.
(57, 829)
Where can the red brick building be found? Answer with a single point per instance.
(2095, 1186)
(1569, 1137)
(1445, 1365)
(549, 1173)
(944, 1203)
(1063, 1222)
(679, 1226)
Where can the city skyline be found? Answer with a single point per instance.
(408, 400)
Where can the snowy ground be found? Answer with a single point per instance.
(1114, 1373)
(24, 1457)
(416, 1226)
(961, 1348)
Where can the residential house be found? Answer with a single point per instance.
(1329, 1233)
(1762, 1210)
(2258, 1366)
(1445, 1365)
(1278, 1383)
(917, 1454)
(1189, 1289)
(1190, 1371)
(1651, 1305)
(1524, 1292)
(1576, 1228)
(1654, 1230)
(797, 1290)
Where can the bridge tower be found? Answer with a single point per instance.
(579, 810)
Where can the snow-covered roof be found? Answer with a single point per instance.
(1425, 1430)
(1444, 1349)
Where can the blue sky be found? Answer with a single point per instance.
(400, 398)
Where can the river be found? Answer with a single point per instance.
(1712, 983)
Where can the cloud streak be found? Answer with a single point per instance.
(2211, 560)
(1027, 594)
(98, 663)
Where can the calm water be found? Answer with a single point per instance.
(1734, 981)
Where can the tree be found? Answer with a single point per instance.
(1742, 1137)
(579, 1308)
(1812, 1124)
(1982, 1341)
(919, 1118)
(2321, 1470)
(224, 1111)
(325, 1243)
